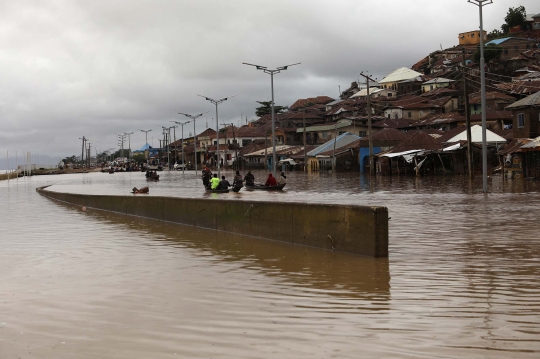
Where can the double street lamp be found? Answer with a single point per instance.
(146, 143)
(193, 118)
(217, 102)
(480, 4)
(271, 73)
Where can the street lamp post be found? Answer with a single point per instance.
(217, 102)
(481, 4)
(146, 141)
(271, 73)
(183, 159)
(194, 118)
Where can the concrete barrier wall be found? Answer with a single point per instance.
(354, 229)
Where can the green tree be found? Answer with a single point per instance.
(495, 34)
(266, 108)
(516, 16)
(138, 157)
(491, 52)
(70, 159)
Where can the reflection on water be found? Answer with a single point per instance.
(462, 279)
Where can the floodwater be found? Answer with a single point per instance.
(462, 279)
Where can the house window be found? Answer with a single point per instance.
(409, 114)
(362, 133)
(389, 94)
(521, 120)
(395, 115)
(215, 142)
(476, 107)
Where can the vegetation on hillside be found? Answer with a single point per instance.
(266, 108)
(516, 16)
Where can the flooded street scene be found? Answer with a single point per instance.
(252, 180)
(462, 277)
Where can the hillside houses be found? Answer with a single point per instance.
(418, 117)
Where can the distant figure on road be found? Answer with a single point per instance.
(250, 179)
(271, 181)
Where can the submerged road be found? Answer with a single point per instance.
(463, 278)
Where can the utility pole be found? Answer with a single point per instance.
(481, 4)
(122, 138)
(305, 152)
(175, 146)
(370, 140)
(226, 144)
(167, 136)
(266, 148)
(183, 159)
(83, 148)
(88, 154)
(334, 164)
(467, 118)
(235, 147)
(129, 143)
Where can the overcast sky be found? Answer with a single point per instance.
(100, 68)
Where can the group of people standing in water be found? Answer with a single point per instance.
(212, 182)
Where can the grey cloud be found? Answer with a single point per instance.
(98, 68)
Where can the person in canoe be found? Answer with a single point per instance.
(282, 179)
(238, 181)
(223, 184)
(250, 179)
(214, 182)
(270, 181)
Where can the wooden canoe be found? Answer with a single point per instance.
(261, 187)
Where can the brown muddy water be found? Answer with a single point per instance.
(462, 279)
